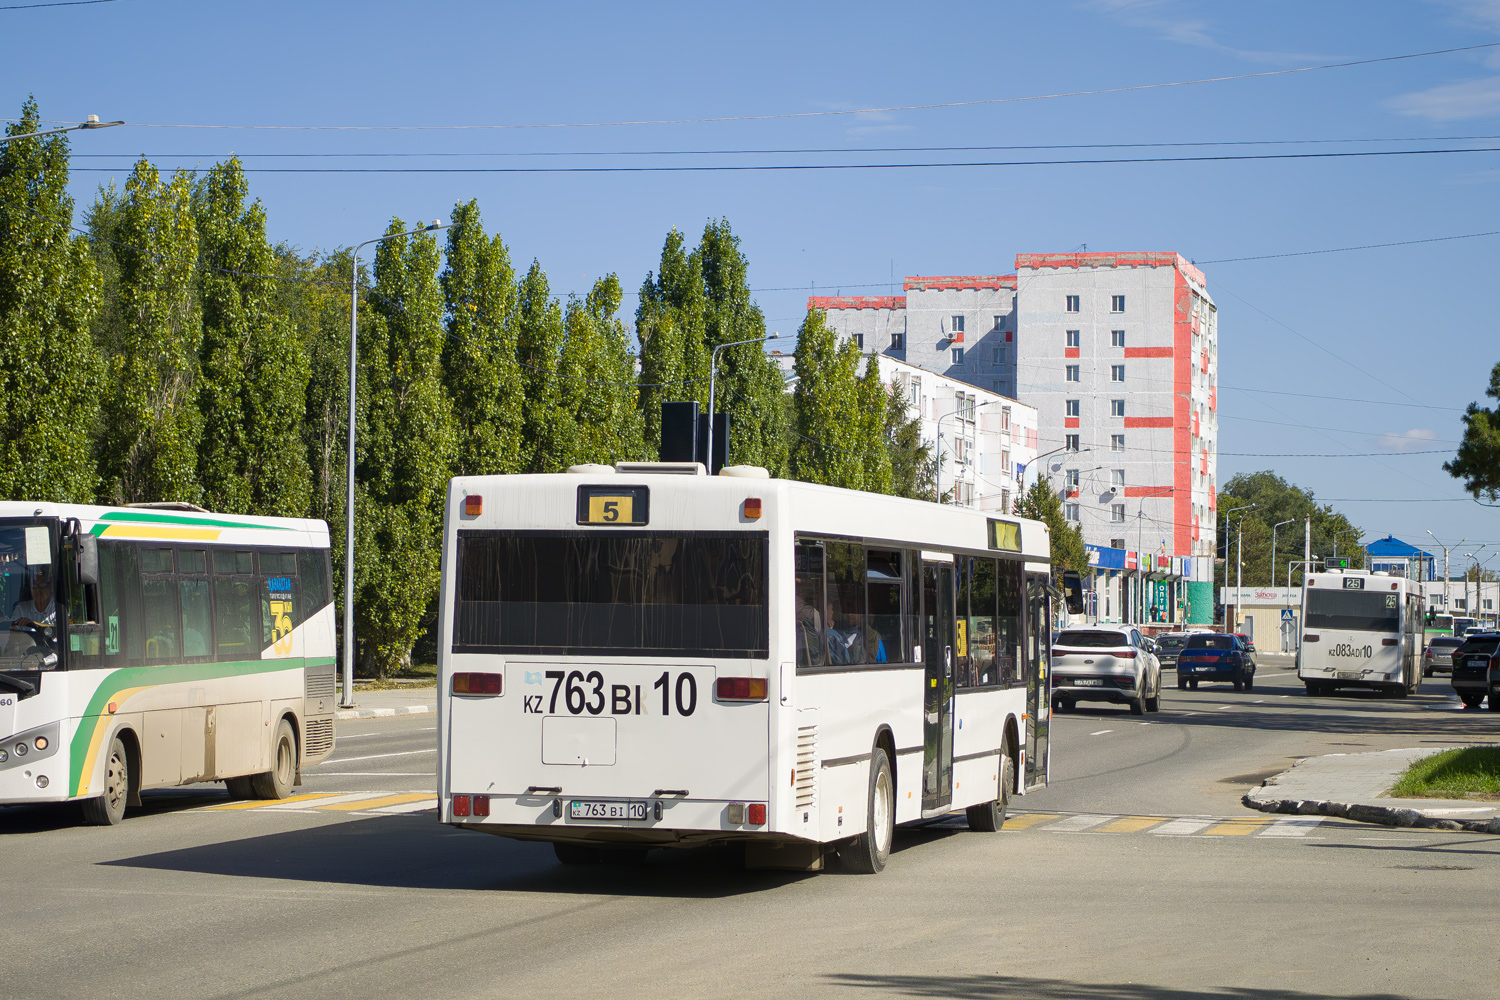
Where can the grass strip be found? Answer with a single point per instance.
(1451, 774)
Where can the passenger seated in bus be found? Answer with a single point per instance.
(811, 644)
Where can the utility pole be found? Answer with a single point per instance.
(1447, 608)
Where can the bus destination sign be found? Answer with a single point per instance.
(614, 506)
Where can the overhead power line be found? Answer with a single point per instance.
(56, 3)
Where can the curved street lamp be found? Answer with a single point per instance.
(91, 122)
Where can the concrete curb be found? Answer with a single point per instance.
(1365, 813)
(380, 713)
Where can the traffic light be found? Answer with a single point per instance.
(1430, 616)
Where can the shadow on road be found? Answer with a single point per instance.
(1026, 988)
(49, 816)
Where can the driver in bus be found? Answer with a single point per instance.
(40, 611)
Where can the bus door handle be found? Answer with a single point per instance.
(784, 683)
(947, 661)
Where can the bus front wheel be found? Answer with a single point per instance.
(109, 808)
(868, 852)
(277, 782)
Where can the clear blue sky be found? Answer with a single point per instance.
(1408, 333)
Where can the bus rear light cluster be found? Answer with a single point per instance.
(752, 813)
(740, 689)
(1390, 642)
(471, 805)
(473, 505)
(752, 509)
(1309, 638)
(472, 683)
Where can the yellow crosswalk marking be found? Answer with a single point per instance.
(387, 800)
(1028, 820)
(1237, 827)
(1130, 824)
(259, 803)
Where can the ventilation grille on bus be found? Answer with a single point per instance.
(319, 684)
(318, 736)
(807, 764)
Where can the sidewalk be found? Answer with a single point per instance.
(1353, 786)
(382, 704)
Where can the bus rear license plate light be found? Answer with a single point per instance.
(481, 805)
(756, 813)
(740, 689)
(460, 805)
(736, 814)
(473, 683)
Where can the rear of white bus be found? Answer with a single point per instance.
(604, 651)
(1358, 630)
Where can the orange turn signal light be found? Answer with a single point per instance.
(471, 683)
(740, 689)
(752, 509)
(473, 505)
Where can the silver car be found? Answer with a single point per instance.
(1105, 663)
(1438, 657)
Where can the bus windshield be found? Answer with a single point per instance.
(628, 593)
(1353, 610)
(28, 607)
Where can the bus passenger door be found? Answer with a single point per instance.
(1038, 678)
(937, 699)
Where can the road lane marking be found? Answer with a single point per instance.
(1221, 708)
(1101, 732)
(1292, 826)
(1181, 827)
(427, 802)
(1131, 824)
(1025, 820)
(1077, 824)
(378, 756)
(1238, 827)
(260, 803)
(425, 798)
(333, 800)
(371, 774)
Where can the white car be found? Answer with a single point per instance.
(1105, 663)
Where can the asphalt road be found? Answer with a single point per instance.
(186, 899)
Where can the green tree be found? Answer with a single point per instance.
(829, 425)
(1040, 503)
(1277, 500)
(540, 332)
(874, 410)
(252, 389)
(669, 323)
(596, 419)
(913, 464)
(1477, 461)
(50, 293)
(480, 373)
(405, 449)
(149, 448)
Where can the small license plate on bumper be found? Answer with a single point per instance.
(601, 810)
(1347, 675)
(1085, 681)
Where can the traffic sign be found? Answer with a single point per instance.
(1287, 615)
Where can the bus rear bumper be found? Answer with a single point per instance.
(667, 821)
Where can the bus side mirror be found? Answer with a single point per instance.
(1072, 585)
(88, 559)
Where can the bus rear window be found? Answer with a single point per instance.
(625, 593)
(1353, 610)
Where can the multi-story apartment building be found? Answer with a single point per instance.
(1118, 353)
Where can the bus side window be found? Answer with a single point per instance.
(160, 620)
(197, 611)
(847, 640)
(313, 572)
(811, 641)
(982, 631)
(1008, 588)
(236, 613)
(883, 598)
(963, 567)
(911, 631)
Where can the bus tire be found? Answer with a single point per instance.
(277, 782)
(990, 817)
(240, 788)
(868, 852)
(109, 809)
(575, 854)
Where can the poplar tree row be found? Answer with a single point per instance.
(168, 350)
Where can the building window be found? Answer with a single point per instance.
(1117, 373)
(1117, 303)
(1072, 373)
(1117, 442)
(1072, 336)
(1072, 303)
(999, 322)
(1005, 501)
(1005, 418)
(1070, 511)
(1117, 543)
(1117, 478)
(958, 355)
(859, 340)
(1117, 512)
(958, 324)
(898, 341)
(1070, 442)
(1072, 407)
(1117, 338)
(1117, 407)
(1072, 477)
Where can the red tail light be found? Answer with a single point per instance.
(460, 805)
(1309, 638)
(757, 813)
(740, 689)
(1390, 642)
(481, 805)
(473, 505)
(477, 683)
(752, 509)
(1129, 654)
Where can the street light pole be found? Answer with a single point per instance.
(1447, 610)
(1227, 531)
(1278, 524)
(1469, 608)
(1239, 560)
(1140, 528)
(713, 357)
(348, 695)
(91, 122)
(1336, 534)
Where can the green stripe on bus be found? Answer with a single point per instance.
(133, 677)
(150, 517)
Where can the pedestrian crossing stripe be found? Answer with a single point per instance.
(1182, 826)
(381, 803)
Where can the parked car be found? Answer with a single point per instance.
(1438, 656)
(1168, 645)
(1471, 668)
(1249, 642)
(1206, 657)
(1105, 663)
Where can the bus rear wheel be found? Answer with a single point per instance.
(277, 782)
(990, 817)
(868, 852)
(109, 808)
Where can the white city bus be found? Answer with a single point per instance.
(1360, 629)
(148, 646)
(647, 656)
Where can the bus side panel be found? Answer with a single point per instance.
(978, 739)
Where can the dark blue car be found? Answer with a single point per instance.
(1213, 657)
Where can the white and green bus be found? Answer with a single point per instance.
(158, 645)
